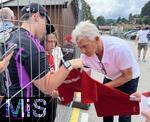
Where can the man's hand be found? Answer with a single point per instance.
(146, 115)
(76, 63)
(135, 97)
(55, 93)
(4, 63)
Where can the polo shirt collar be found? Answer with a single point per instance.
(106, 54)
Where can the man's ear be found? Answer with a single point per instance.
(97, 39)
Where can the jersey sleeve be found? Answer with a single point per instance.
(33, 59)
(37, 65)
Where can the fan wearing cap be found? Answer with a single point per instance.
(29, 68)
(35, 8)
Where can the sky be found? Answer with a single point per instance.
(112, 9)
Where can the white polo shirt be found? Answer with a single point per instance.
(142, 35)
(117, 56)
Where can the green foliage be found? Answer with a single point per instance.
(119, 20)
(110, 22)
(145, 14)
(140, 21)
(146, 20)
(87, 12)
(100, 20)
(146, 10)
(143, 18)
(130, 17)
(122, 20)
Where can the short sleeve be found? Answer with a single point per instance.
(37, 65)
(33, 59)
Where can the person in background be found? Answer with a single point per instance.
(68, 40)
(142, 40)
(109, 55)
(57, 52)
(50, 44)
(7, 18)
(137, 97)
(6, 22)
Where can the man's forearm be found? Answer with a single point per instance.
(58, 77)
(50, 82)
(118, 81)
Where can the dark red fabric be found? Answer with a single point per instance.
(68, 38)
(114, 102)
(108, 101)
(147, 94)
(50, 59)
(86, 87)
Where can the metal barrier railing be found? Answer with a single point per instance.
(59, 12)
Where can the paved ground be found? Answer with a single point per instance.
(64, 113)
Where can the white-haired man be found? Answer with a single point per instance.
(110, 56)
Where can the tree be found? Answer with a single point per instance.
(87, 12)
(146, 20)
(130, 17)
(109, 21)
(119, 20)
(124, 20)
(140, 21)
(146, 10)
(145, 13)
(100, 20)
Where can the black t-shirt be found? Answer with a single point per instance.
(28, 63)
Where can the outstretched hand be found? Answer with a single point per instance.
(135, 97)
(4, 63)
(76, 63)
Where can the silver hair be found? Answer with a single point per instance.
(85, 29)
(6, 14)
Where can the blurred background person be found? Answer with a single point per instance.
(7, 18)
(50, 44)
(142, 40)
(57, 52)
(6, 26)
